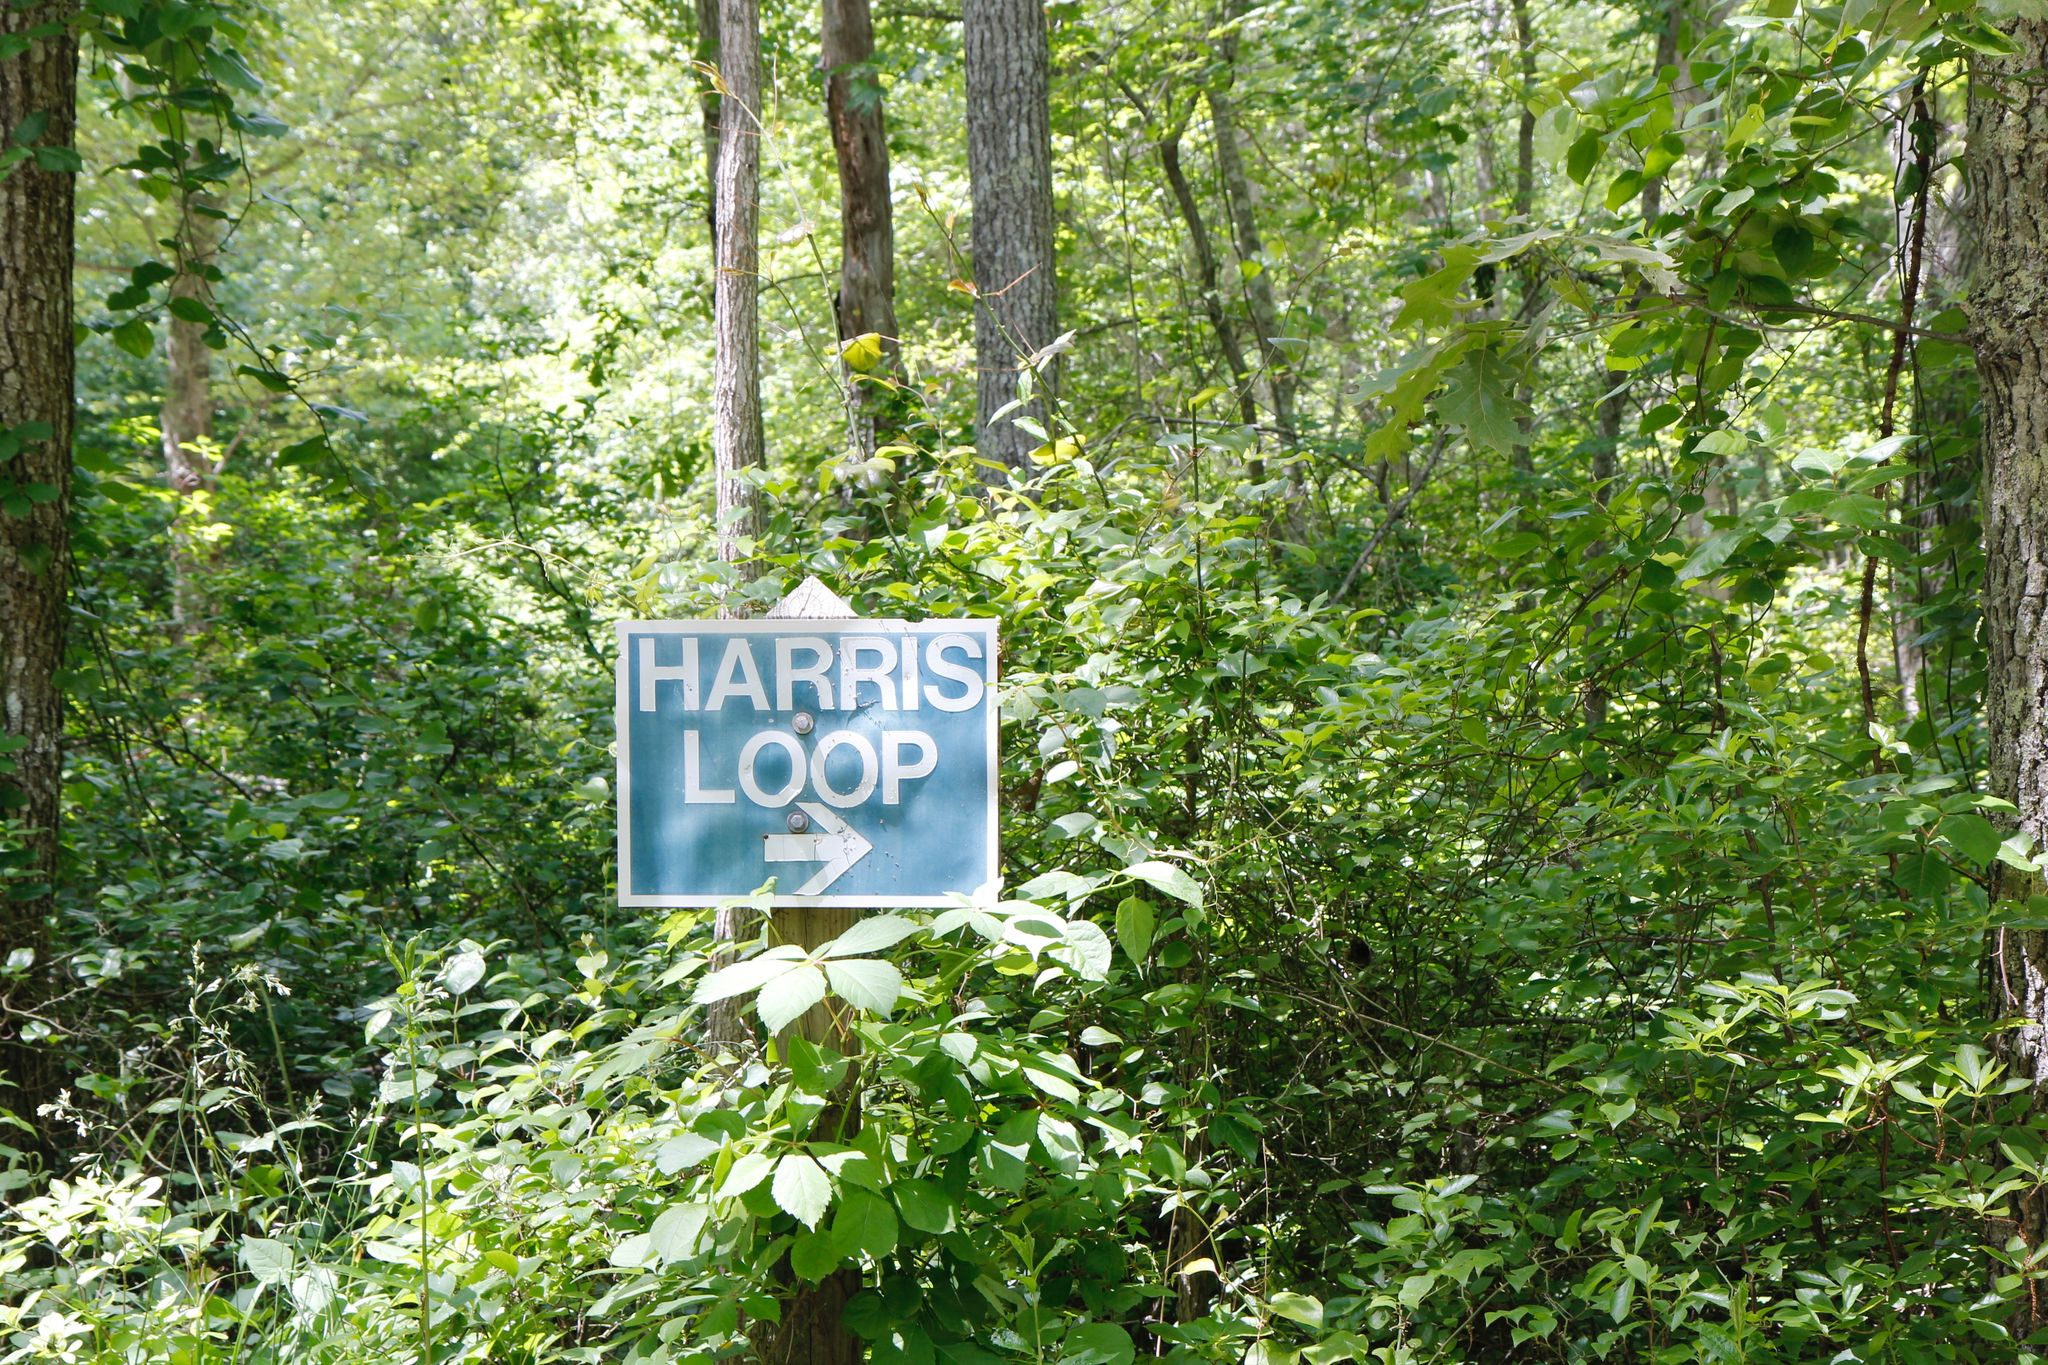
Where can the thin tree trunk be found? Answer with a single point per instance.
(867, 229)
(708, 54)
(1205, 271)
(1921, 523)
(2008, 204)
(1241, 211)
(1530, 292)
(187, 415)
(35, 552)
(736, 438)
(1251, 252)
(1613, 403)
(1009, 165)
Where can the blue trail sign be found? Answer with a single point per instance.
(853, 761)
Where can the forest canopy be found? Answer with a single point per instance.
(1514, 533)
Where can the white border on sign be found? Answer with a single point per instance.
(986, 894)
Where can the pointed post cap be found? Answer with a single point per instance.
(811, 600)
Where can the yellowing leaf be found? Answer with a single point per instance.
(862, 354)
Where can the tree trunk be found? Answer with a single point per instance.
(1529, 299)
(736, 435)
(2008, 204)
(708, 55)
(187, 416)
(1244, 232)
(1009, 165)
(35, 559)
(1942, 412)
(736, 440)
(1251, 252)
(1613, 403)
(867, 226)
(1206, 273)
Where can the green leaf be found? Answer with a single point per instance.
(924, 1205)
(1040, 1071)
(59, 160)
(675, 1233)
(866, 983)
(267, 1261)
(902, 1346)
(190, 310)
(1084, 949)
(462, 973)
(750, 975)
(1923, 876)
(1974, 837)
(1301, 1308)
(1168, 878)
(802, 1189)
(1135, 920)
(1097, 1343)
(1479, 396)
(1985, 38)
(1713, 553)
(871, 935)
(784, 999)
(682, 1152)
(815, 1255)
(1580, 160)
(133, 336)
(1430, 302)
(1793, 246)
(269, 379)
(229, 69)
(630, 1253)
(309, 451)
(865, 1222)
(749, 1171)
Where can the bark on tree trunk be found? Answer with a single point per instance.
(1527, 274)
(1932, 521)
(708, 54)
(1251, 251)
(1206, 273)
(1009, 165)
(736, 438)
(187, 416)
(1613, 403)
(35, 558)
(2008, 203)
(867, 225)
(1242, 212)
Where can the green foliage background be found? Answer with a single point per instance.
(1460, 910)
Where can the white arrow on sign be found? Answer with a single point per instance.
(830, 841)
